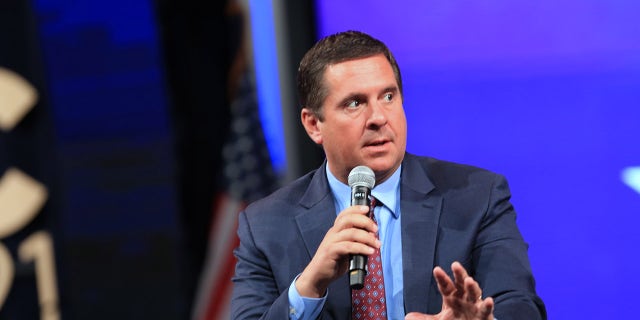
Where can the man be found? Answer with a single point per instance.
(295, 244)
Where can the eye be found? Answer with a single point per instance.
(388, 97)
(353, 104)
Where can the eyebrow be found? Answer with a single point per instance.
(392, 89)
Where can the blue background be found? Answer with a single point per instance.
(546, 93)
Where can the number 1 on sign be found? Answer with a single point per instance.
(38, 248)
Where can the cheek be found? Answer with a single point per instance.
(343, 138)
(343, 134)
(400, 122)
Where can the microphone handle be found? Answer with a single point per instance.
(358, 262)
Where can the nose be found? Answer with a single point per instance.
(377, 116)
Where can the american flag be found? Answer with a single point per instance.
(247, 176)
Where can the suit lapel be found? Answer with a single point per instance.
(318, 212)
(420, 210)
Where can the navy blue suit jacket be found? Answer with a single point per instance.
(450, 212)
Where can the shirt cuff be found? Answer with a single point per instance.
(302, 308)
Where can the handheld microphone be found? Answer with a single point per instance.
(361, 180)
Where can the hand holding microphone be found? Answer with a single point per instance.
(344, 250)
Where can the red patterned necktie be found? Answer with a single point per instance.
(369, 302)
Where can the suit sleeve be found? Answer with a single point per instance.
(255, 293)
(500, 260)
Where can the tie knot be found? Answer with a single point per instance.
(375, 202)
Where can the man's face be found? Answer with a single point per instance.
(363, 118)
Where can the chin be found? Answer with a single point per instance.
(381, 168)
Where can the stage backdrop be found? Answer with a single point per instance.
(546, 93)
(88, 217)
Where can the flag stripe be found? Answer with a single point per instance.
(222, 296)
(219, 264)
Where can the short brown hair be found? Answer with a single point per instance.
(336, 48)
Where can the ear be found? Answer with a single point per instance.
(311, 124)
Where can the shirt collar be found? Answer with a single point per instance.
(386, 192)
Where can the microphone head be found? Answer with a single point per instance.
(362, 176)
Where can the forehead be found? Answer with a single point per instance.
(367, 73)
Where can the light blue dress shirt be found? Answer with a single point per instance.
(388, 218)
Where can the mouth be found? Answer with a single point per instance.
(376, 143)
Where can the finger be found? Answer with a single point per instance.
(356, 248)
(459, 272)
(358, 236)
(338, 244)
(459, 275)
(486, 309)
(473, 291)
(445, 285)
(355, 217)
(354, 210)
